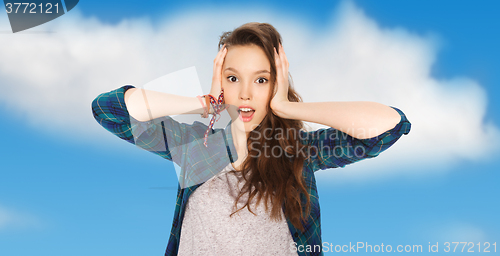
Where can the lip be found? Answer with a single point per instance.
(245, 119)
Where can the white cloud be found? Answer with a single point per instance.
(10, 218)
(453, 231)
(51, 78)
(462, 232)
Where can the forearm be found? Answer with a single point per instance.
(360, 119)
(139, 101)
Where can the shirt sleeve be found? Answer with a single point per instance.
(110, 112)
(332, 148)
(179, 142)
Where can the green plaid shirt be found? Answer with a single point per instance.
(334, 149)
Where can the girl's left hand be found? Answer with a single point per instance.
(281, 96)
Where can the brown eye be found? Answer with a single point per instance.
(261, 80)
(232, 79)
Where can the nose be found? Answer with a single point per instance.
(245, 92)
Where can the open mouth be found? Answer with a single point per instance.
(246, 113)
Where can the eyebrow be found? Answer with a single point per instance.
(256, 72)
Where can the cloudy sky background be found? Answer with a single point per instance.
(68, 187)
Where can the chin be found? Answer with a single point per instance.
(245, 127)
(250, 127)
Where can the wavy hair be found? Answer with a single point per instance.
(278, 180)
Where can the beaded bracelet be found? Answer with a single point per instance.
(218, 106)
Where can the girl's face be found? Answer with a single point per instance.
(246, 75)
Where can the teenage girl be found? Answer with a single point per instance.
(263, 199)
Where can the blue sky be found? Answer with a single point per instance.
(63, 197)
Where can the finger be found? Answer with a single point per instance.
(218, 62)
(284, 61)
(277, 61)
(220, 53)
(222, 58)
(279, 68)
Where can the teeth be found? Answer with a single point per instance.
(246, 109)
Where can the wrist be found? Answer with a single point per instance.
(280, 109)
(215, 94)
(206, 99)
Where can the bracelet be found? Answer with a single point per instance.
(205, 109)
(207, 103)
(218, 106)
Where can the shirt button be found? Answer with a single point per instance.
(296, 234)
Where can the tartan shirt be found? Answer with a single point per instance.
(110, 111)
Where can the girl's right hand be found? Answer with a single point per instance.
(217, 75)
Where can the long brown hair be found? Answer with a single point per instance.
(275, 179)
